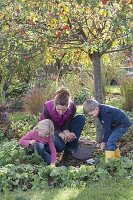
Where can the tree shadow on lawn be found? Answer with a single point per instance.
(107, 190)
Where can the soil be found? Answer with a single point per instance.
(125, 145)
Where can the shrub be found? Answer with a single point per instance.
(127, 91)
(16, 104)
(35, 98)
(81, 96)
(17, 89)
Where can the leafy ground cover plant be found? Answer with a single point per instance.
(17, 125)
(120, 168)
(20, 127)
(19, 170)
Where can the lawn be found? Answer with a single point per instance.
(103, 190)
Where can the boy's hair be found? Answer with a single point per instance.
(62, 97)
(89, 105)
(46, 125)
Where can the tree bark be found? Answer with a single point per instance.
(98, 91)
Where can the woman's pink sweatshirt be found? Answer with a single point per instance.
(33, 135)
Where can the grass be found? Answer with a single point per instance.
(18, 116)
(79, 109)
(107, 190)
(116, 103)
(113, 89)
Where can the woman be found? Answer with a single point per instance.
(68, 127)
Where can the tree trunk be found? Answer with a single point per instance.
(96, 61)
(5, 124)
(98, 91)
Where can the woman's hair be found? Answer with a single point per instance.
(62, 97)
(89, 105)
(46, 125)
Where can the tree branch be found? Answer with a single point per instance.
(122, 49)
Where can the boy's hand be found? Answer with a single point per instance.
(32, 142)
(102, 146)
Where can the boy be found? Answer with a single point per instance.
(115, 124)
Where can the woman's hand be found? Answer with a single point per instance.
(63, 136)
(70, 136)
(32, 142)
(102, 146)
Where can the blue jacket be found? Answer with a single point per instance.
(111, 117)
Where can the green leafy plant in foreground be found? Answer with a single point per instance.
(120, 168)
(21, 127)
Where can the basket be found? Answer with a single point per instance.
(85, 149)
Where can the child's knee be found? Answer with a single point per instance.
(110, 146)
(80, 119)
(60, 147)
(39, 147)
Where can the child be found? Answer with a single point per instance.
(115, 124)
(39, 137)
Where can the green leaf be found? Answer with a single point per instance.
(79, 2)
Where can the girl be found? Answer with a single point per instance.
(40, 137)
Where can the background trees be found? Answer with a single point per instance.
(94, 27)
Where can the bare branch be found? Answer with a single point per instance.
(122, 49)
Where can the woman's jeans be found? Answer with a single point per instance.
(43, 152)
(115, 136)
(76, 126)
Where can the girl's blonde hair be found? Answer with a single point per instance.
(46, 125)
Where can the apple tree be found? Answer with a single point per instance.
(95, 27)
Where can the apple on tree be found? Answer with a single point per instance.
(22, 32)
(58, 33)
(27, 58)
(104, 2)
(31, 22)
(66, 27)
(51, 14)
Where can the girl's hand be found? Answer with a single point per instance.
(102, 146)
(32, 142)
(53, 165)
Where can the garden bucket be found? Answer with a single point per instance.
(85, 149)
